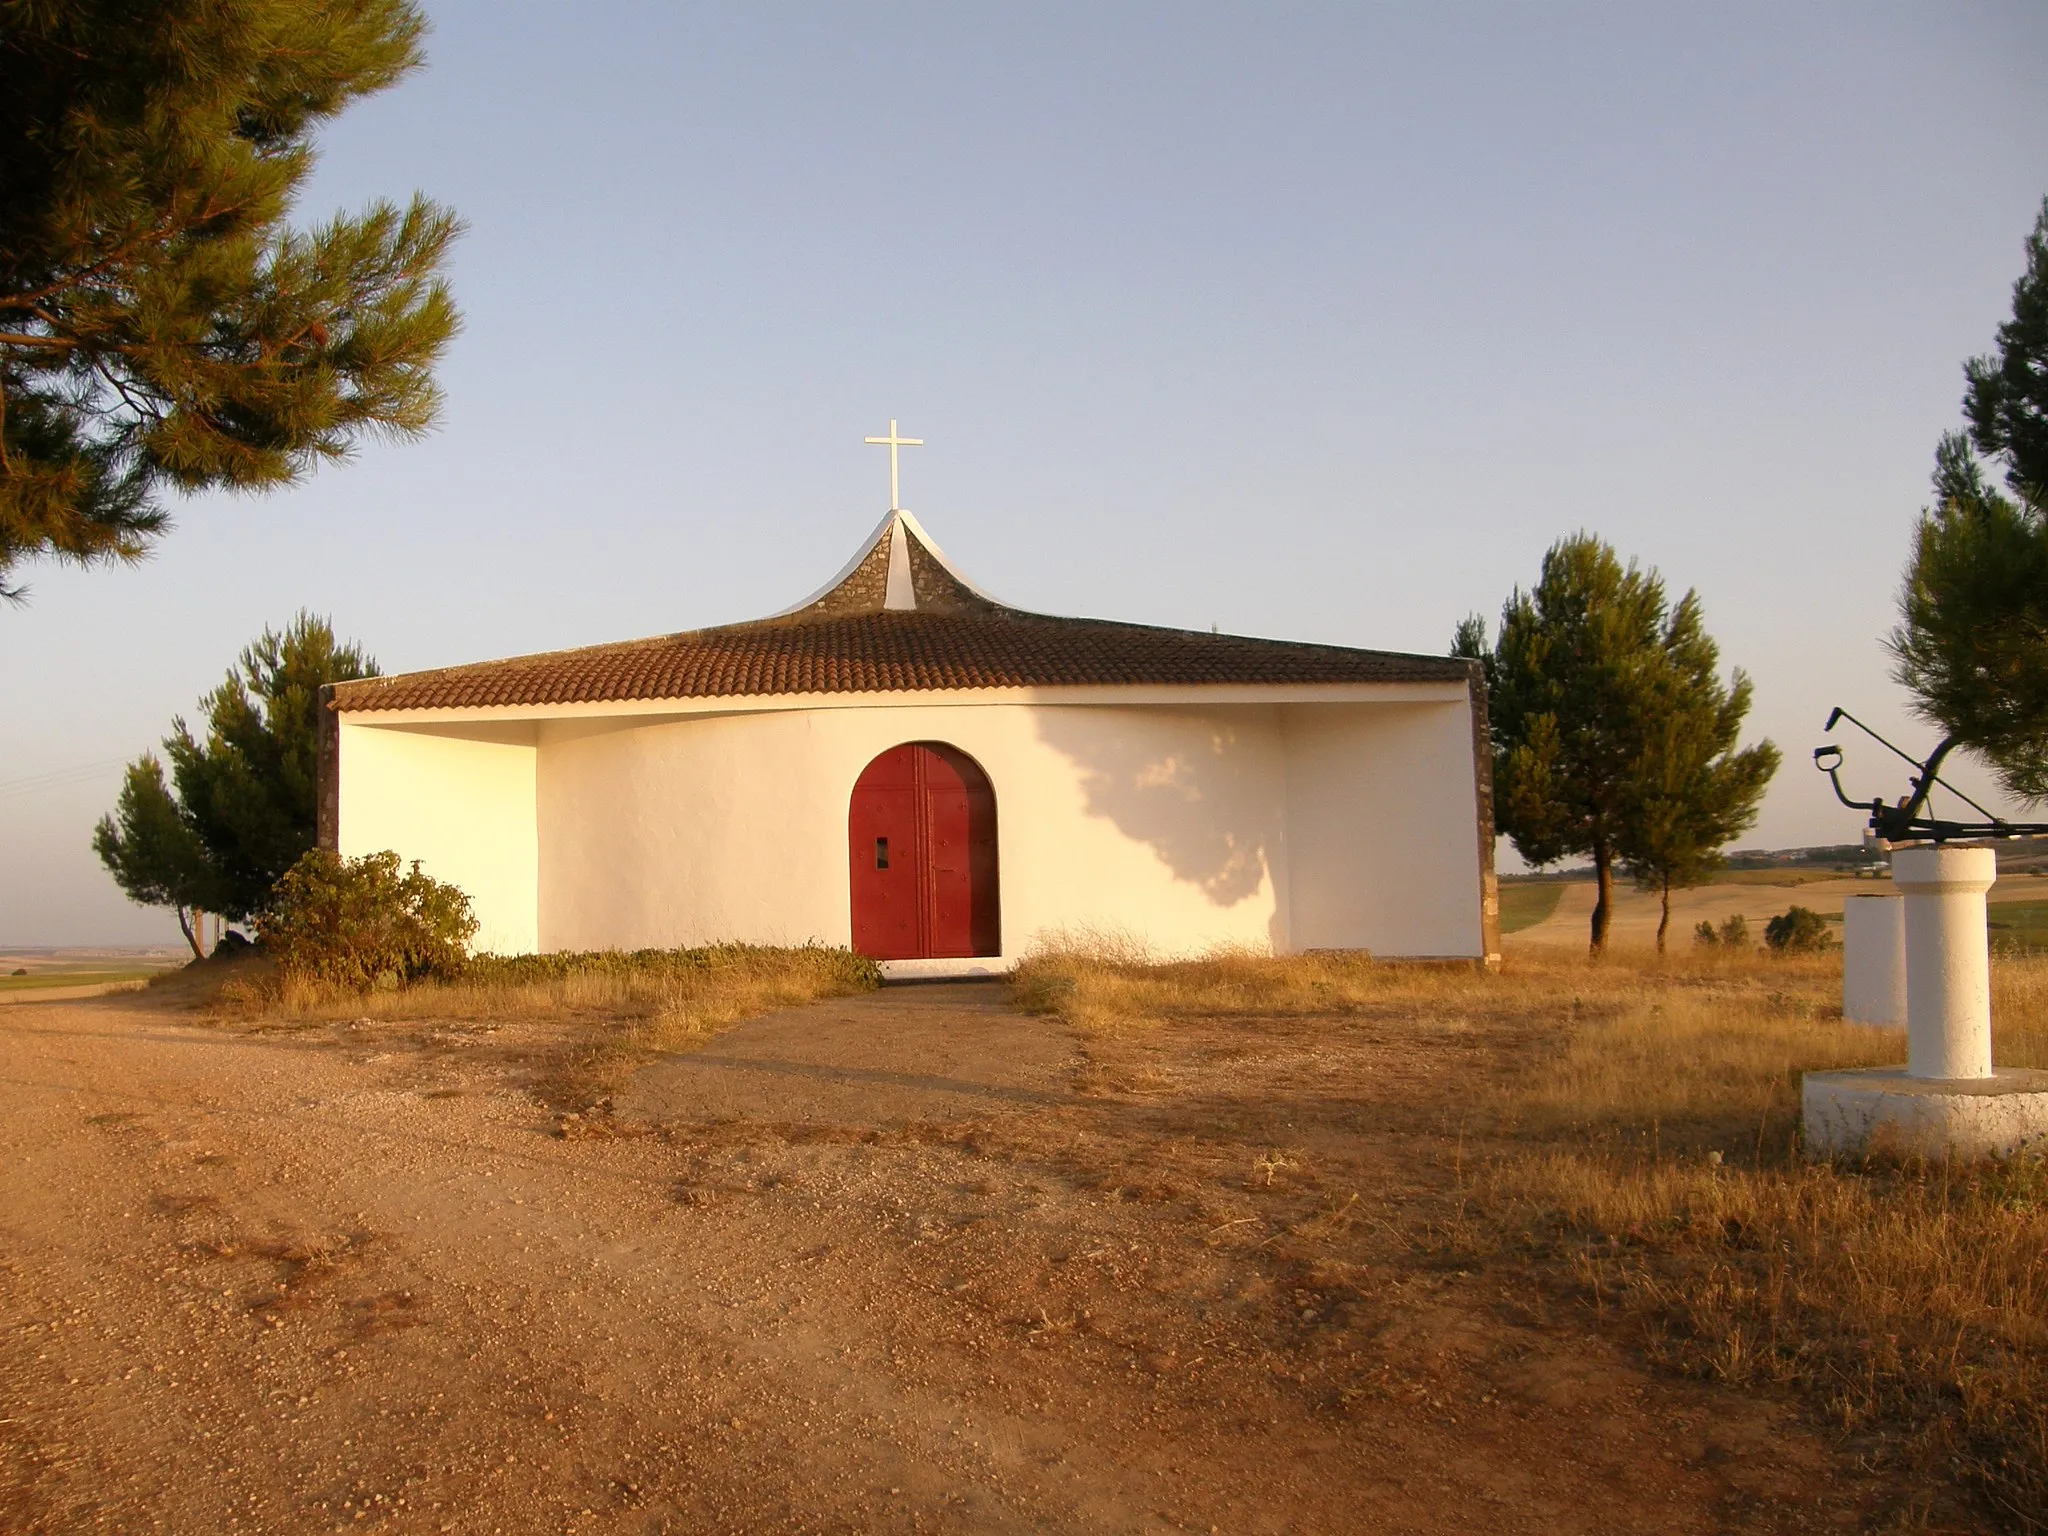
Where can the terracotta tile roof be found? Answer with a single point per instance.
(898, 619)
(888, 652)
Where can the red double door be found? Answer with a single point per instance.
(921, 846)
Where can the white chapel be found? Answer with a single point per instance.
(904, 765)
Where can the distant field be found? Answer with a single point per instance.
(1782, 876)
(56, 978)
(1525, 904)
(2020, 925)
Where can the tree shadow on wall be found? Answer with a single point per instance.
(1200, 794)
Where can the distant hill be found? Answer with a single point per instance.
(1827, 856)
(2017, 856)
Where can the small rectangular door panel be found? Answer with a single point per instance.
(985, 895)
(882, 838)
(949, 819)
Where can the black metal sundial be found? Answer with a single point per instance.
(1911, 819)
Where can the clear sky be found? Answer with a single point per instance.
(1319, 322)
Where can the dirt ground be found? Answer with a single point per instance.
(905, 1262)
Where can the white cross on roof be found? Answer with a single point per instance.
(893, 442)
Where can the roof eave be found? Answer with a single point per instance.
(1134, 695)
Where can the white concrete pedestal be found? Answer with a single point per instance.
(1948, 959)
(1886, 1110)
(1947, 1100)
(1874, 960)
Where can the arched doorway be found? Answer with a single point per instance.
(921, 850)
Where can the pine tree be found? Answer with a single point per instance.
(1972, 641)
(150, 851)
(161, 324)
(1695, 789)
(2007, 397)
(1605, 711)
(244, 808)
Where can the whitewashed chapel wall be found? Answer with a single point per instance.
(461, 801)
(1383, 840)
(1165, 823)
(1274, 827)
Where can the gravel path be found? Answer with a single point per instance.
(908, 1262)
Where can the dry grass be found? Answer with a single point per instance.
(605, 1018)
(1909, 1302)
(1656, 1157)
(1107, 981)
(692, 989)
(1637, 1145)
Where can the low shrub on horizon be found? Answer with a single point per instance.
(1797, 929)
(1732, 934)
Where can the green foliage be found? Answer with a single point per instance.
(150, 850)
(249, 786)
(1972, 641)
(518, 970)
(2007, 397)
(244, 806)
(161, 325)
(355, 922)
(1695, 789)
(1613, 736)
(1797, 930)
(1732, 934)
(1559, 690)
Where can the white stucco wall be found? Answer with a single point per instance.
(1384, 850)
(1275, 826)
(462, 804)
(1166, 823)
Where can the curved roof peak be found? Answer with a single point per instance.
(897, 567)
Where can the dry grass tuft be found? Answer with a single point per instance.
(612, 1011)
(1117, 985)
(1637, 1144)
(688, 989)
(1684, 1055)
